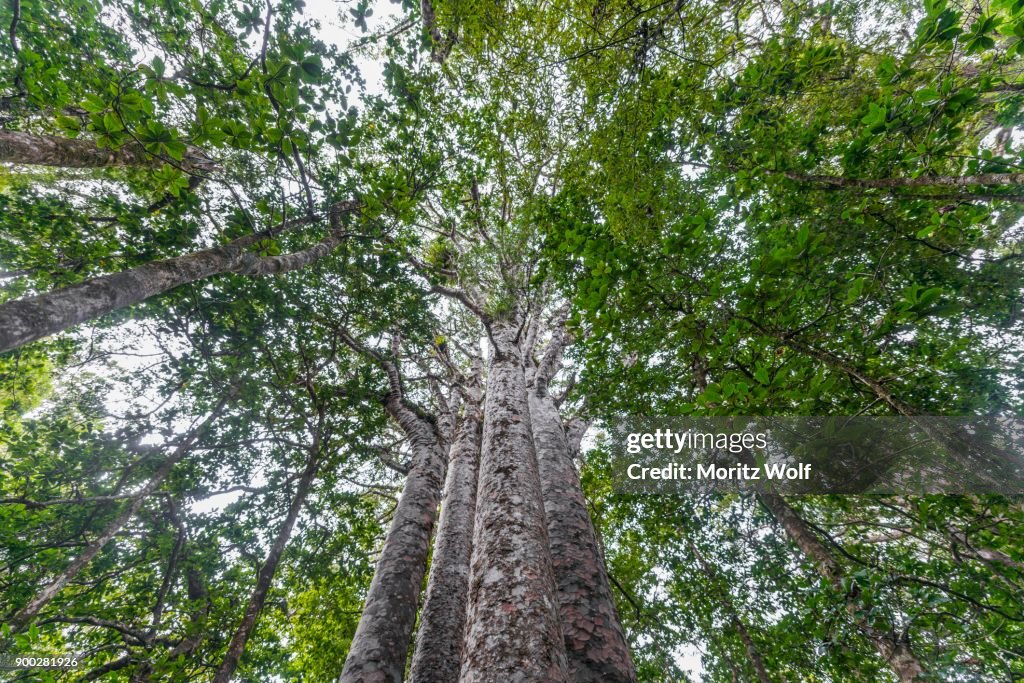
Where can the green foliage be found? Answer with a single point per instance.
(751, 209)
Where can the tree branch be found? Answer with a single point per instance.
(13, 30)
(999, 179)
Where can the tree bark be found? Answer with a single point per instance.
(443, 617)
(381, 643)
(267, 571)
(920, 181)
(20, 620)
(17, 147)
(594, 641)
(894, 649)
(753, 653)
(513, 631)
(442, 44)
(26, 320)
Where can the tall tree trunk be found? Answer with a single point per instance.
(894, 649)
(381, 643)
(268, 570)
(50, 590)
(17, 147)
(513, 630)
(27, 320)
(594, 641)
(443, 617)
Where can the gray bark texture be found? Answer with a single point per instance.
(17, 147)
(513, 633)
(894, 649)
(594, 641)
(443, 617)
(381, 643)
(26, 320)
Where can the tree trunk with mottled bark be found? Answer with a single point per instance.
(893, 648)
(443, 617)
(381, 643)
(513, 631)
(594, 641)
(26, 320)
(17, 147)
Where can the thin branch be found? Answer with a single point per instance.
(999, 179)
(465, 299)
(13, 31)
(42, 504)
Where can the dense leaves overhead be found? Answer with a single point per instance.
(755, 208)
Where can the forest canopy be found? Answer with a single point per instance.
(316, 319)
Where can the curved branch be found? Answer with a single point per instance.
(13, 30)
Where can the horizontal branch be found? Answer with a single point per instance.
(17, 147)
(1000, 179)
(41, 504)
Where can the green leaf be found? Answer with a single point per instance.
(928, 296)
(312, 69)
(175, 149)
(927, 95)
(69, 123)
(856, 289)
(93, 104)
(802, 236)
(876, 115)
(111, 123)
